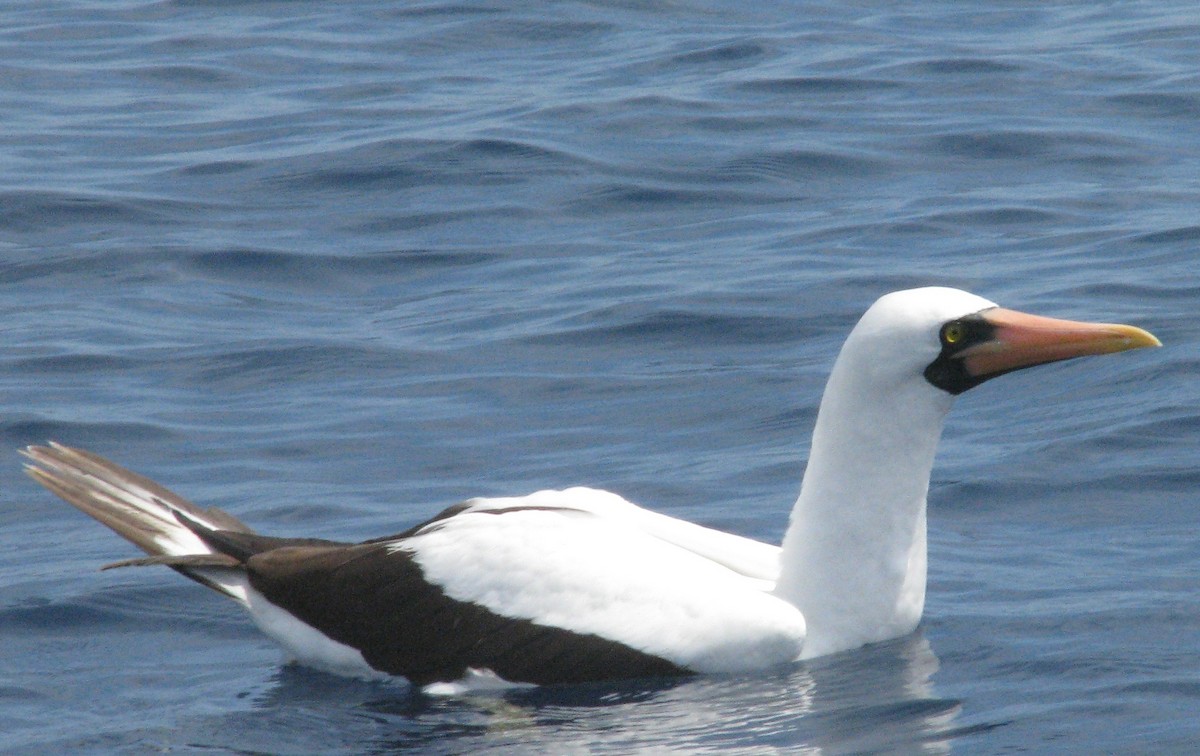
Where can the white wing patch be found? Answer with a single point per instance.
(754, 559)
(590, 562)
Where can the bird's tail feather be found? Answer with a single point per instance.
(143, 512)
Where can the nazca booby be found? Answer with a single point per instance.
(582, 585)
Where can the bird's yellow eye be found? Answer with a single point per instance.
(954, 333)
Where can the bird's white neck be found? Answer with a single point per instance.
(854, 554)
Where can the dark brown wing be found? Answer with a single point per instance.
(377, 600)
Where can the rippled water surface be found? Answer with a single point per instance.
(334, 266)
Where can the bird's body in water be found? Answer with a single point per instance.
(580, 584)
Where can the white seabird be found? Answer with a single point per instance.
(580, 584)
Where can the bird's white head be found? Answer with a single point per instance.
(956, 340)
(854, 555)
(901, 335)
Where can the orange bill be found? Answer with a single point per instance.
(1020, 340)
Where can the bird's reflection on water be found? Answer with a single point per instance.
(878, 698)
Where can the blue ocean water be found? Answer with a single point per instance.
(335, 266)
